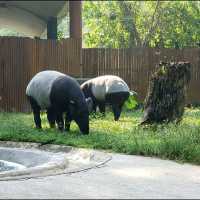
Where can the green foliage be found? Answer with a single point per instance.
(123, 24)
(177, 142)
(60, 35)
(63, 28)
(102, 24)
(131, 103)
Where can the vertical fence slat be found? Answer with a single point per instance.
(22, 58)
(136, 65)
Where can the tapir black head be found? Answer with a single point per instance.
(81, 116)
(83, 122)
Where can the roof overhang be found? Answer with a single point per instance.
(30, 17)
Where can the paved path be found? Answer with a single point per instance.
(122, 177)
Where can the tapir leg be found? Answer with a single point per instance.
(37, 118)
(51, 117)
(102, 107)
(95, 104)
(36, 112)
(94, 108)
(67, 122)
(59, 120)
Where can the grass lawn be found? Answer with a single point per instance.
(169, 141)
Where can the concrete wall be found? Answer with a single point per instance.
(21, 21)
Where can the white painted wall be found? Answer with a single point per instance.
(21, 21)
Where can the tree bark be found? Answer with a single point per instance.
(165, 99)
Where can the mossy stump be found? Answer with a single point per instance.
(165, 99)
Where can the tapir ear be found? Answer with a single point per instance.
(133, 93)
(89, 104)
(72, 107)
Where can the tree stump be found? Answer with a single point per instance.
(165, 99)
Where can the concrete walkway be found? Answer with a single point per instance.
(122, 177)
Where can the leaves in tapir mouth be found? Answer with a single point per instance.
(131, 102)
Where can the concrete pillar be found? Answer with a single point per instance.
(52, 28)
(75, 14)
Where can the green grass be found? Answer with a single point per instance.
(168, 141)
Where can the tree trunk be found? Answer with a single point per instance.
(165, 99)
(129, 24)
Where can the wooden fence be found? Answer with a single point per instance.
(21, 58)
(136, 65)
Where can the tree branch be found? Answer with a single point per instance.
(153, 24)
(129, 24)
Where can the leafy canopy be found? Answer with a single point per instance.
(124, 24)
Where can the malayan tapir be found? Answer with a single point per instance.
(58, 93)
(107, 89)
